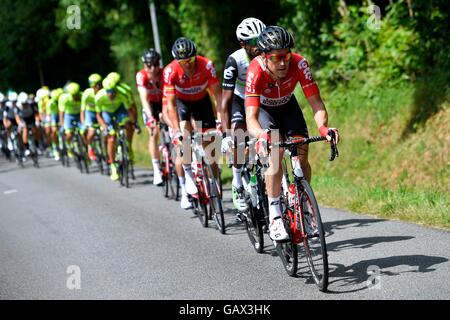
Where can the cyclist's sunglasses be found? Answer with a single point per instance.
(252, 42)
(186, 61)
(154, 64)
(277, 57)
(110, 90)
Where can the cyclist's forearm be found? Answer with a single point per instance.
(252, 121)
(226, 108)
(319, 110)
(172, 113)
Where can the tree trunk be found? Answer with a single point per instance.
(410, 9)
(41, 72)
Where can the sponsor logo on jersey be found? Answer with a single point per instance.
(250, 77)
(210, 67)
(303, 66)
(228, 72)
(274, 102)
(192, 90)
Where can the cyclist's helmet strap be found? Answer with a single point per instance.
(275, 38)
(183, 48)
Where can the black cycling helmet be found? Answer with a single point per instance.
(275, 38)
(151, 57)
(183, 48)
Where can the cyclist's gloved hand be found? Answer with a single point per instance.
(177, 137)
(218, 125)
(37, 123)
(262, 144)
(151, 123)
(332, 134)
(227, 143)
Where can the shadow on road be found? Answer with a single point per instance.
(359, 273)
(330, 226)
(363, 243)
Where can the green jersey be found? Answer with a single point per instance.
(126, 90)
(52, 107)
(42, 104)
(103, 103)
(68, 104)
(88, 100)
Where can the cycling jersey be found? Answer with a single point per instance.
(42, 104)
(153, 87)
(88, 100)
(104, 104)
(69, 105)
(52, 106)
(9, 110)
(262, 90)
(126, 90)
(235, 72)
(25, 110)
(193, 88)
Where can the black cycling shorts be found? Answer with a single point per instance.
(287, 118)
(201, 110)
(237, 110)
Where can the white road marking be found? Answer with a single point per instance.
(10, 191)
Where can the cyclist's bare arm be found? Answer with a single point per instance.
(319, 110)
(217, 93)
(145, 104)
(101, 121)
(227, 96)
(172, 112)
(253, 125)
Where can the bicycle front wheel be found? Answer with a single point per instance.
(314, 241)
(215, 199)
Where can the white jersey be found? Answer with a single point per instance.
(235, 72)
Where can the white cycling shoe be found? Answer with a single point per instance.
(185, 203)
(191, 188)
(277, 231)
(157, 178)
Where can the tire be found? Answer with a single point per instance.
(288, 253)
(126, 164)
(254, 228)
(201, 211)
(314, 244)
(215, 199)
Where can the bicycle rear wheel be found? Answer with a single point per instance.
(314, 243)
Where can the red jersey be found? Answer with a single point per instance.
(262, 89)
(153, 87)
(176, 82)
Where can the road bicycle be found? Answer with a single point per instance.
(301, 216)
(80, 149)
(99, 148)
(62, 148)
(207, 203)
(171, 184)
(122, 158)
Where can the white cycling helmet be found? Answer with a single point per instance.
(12, 96)
(22, 98)
(249, 28)
(2, 97)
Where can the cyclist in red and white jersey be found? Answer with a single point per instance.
(149, 82)
(186, 80)
(271, 105)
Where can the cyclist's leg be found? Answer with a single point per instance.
(153, 143)
(184, 115)
(111, 139)
(270, 120)
(295, 126)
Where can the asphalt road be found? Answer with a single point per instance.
(64, 235)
